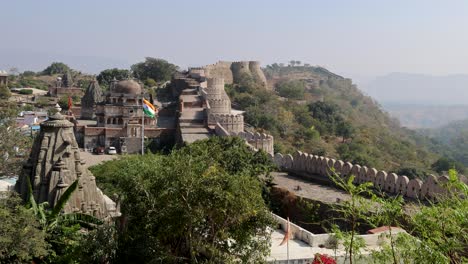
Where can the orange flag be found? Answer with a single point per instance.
(287, 235)
(70, 103)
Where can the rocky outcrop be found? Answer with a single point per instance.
(54, 164)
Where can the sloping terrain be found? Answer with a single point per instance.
(326, 114)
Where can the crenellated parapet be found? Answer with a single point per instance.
(218, 106)
(319, 167)
(258, 140)
(233, 123)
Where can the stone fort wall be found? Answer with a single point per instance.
(312, 166)
(232, 71)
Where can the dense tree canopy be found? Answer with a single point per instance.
(106, 76)
(56, 68)
(202, 202)
(4, 92)
(293, 89)
(13, 144)
(20, 236)
(152, 68)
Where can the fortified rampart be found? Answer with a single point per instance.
(204, 110)
(319, 168)
(231, 72)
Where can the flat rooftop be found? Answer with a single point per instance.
(190, 138)
(197, 113)
(189, 98)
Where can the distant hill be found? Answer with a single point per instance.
(454, 137)
(406, 88)
(426, 116)
(38, 61)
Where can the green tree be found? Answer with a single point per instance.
(62, 231)
(440, 229)
(444, 164)
(354, 212)
(291, 89)
(192, 206)
(345, 130)
(21, 238)
(4, 92)
(152, 68)
(106, 76)
(28, 74)
(13, 143)
(56, 68)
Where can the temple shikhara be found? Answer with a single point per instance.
(54, 164)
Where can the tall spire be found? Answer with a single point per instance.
(54, 164)
(67, 80)
(93, 96)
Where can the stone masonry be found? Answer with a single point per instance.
(54, 164)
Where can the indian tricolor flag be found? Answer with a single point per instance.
(149, 109)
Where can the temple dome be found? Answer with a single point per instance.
(127, 87)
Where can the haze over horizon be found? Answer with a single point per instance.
(357, 39)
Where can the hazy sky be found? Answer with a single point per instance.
(354, 38)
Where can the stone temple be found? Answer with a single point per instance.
(54, 164)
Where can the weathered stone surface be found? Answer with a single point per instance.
(338, 167)
(54, 164)
(380, 179)
(390, 183)
(288, 161)
(279, 159)
(331, 166)
(363, 174)
(92, 96)
(371, 174)
(402, 185)
(355, 171)
(346, 169)
(414, 188)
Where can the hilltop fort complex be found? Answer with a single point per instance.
(200, 108)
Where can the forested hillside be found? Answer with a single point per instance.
(454, 137)
(314, 110)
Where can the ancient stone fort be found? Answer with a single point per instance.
(232, 72)
(205, 108)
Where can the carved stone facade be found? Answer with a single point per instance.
(119, 120)
(54, 164)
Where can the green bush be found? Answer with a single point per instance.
(293, 89)
(25, 91)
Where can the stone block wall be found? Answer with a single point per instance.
(306, 165)
(232, 71)
(258, 140)
(234, 123)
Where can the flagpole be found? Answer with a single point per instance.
(287, 242)
(142, 129)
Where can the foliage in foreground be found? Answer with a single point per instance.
(201, 203)
(437, 232)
